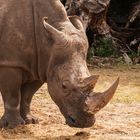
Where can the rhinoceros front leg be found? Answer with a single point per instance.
(10, 83)
(27, 92)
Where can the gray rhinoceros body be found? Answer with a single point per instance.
(40, 43)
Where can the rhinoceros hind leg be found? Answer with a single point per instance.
(10, 83)
(27, 92)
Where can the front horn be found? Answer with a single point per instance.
(96, 101)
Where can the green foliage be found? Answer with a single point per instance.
(104, 48)
(133, 54)
(90, 54)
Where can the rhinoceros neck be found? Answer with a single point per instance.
(54, 10)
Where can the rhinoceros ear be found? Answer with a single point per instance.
(56, 34)
(77, 22)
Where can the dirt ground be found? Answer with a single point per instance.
(119, 120)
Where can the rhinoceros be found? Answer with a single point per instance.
(39, 43)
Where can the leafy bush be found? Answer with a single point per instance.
(104, 48)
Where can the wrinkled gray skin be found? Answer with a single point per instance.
(54, 50)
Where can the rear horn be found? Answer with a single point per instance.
(88, 84)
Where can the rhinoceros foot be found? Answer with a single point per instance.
(10, 123)
(30, 119)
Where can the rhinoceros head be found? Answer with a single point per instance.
(69, 82)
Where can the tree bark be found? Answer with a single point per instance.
(119, 20)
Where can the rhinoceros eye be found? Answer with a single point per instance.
(64, 86)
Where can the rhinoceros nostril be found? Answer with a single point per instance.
(71, 119)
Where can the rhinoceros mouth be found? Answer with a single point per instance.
(78, 124)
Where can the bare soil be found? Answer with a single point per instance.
(119, 120)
